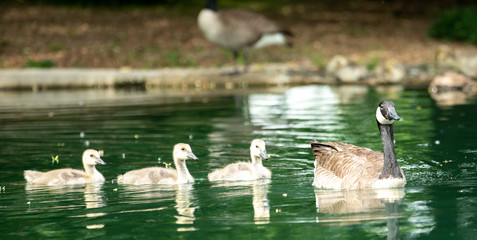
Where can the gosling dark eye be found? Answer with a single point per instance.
(182, 149)
(91, 155)
(256, 146)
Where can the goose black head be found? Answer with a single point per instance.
(386, 113)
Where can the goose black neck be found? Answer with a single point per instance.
(391, 168)
(212, 5)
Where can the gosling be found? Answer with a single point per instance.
(160, 175)
(67, 176)
(245, 171)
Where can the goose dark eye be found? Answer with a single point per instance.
(91, 155)
(256, 146)
(182, 149)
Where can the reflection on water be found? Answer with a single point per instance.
(357, 206)
(435, 147)
(259, 190)
(184, 204)
(93, 195)
(261, 206)
(452, 98)
(183, 195)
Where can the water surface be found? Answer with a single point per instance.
(435, 146)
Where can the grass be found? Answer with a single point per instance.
(457, 24)
(372, 64)
(40, 64)
(55, 47)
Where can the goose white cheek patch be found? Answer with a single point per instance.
(381, 119)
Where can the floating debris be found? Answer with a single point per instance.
(95, 226)
(55, 159)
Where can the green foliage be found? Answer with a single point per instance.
(372, 64)
(457, 24)
(318, 60)
(55, 47)
(40, 64)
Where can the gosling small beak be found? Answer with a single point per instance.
(192, 156)
(264, 155)
(100, 161)
(393, 115)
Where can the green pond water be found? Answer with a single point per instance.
(436, 145)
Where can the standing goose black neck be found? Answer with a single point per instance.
(212, 5)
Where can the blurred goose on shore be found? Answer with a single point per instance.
(452, 88)
(391, 71)
(66, 176)
(464, 60)
(345, 70)
(160, 175)
(239, 30)
(452, 81)
(245, 170)
(345, 166)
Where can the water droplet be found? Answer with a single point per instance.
(124, 155)
(437, 142)
(86, 143)
(81, 134)
(191, 137)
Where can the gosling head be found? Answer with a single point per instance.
(386, 113)
(182, 151)
(92, 157)
(257, 149)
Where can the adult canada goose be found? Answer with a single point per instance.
(160, 175)
(238, 30)
(345, 166)
(245, 170)
(70, 176)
